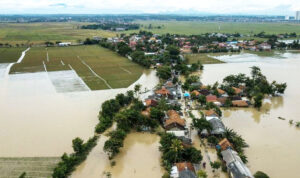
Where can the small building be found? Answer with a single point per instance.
(174, 121)
(225, 144)
(220, 91)
(211, 98)
(64, 44)
(196, 93)
(211, 113)
(218, 127)
(237, 91)
(163, 92)
(150, 102)
(183, 170)
(204, 92)
(240, 103)
(265, 47)
(146, 112)
(235, 166)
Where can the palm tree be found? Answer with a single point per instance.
(176, 147)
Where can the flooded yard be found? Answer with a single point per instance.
(274, 143)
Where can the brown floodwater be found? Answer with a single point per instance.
(140, 157)
(35, 120)
(274, 143)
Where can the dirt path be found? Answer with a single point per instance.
(19, 61)
(95, 73)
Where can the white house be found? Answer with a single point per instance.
(64, 44)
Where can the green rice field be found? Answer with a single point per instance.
(39, 33)
(9, 55)
(33, 167)
(93, 64)
(194, 27)
(204, 58)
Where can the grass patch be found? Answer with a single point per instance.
(204, 58)
(10, 55)
(33, 166)
(119, 72)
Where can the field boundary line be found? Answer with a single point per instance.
(125, 70)
(95, 73)
(45, 66)
(79, 77)
(19, 61)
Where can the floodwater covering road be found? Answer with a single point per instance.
(274, 143)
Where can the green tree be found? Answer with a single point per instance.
(215, 164)
(260, 174)
(23, 175)
(137, 88)
(176, 148)
(202, 100)
(201, 174)
(258, 100)
(78, 145)
(156, 114)
(164, 72)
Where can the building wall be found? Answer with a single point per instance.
(298, 15)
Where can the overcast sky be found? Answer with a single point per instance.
(254, 7)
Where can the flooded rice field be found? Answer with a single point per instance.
(36, 120)
(140, 157)
(274, 143)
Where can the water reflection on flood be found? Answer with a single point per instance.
(35, 120)
(274, 143)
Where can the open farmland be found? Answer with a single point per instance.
(33, 167)
(99, 68)
(194, 27)
(39, 33)
(9, 55)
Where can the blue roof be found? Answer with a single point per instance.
(186, 95)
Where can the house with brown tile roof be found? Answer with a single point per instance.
(196, 92)
(240, 103)
(237, 91)
(220, 91)
(146, 112)
(211, 98)
(151, 102)
(163, 91)
(211, 112)
(174, 122)
(224, 144)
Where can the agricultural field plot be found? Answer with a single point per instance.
(9, 55)
(32, 62)
(204, 58)
(39, 33)
(33, 167)
(193, 27)
(99, 68)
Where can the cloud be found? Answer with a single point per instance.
(269, 7)
(59, 5)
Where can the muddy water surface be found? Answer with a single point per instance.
(274, 143)
(35, 120)
(140, 157)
